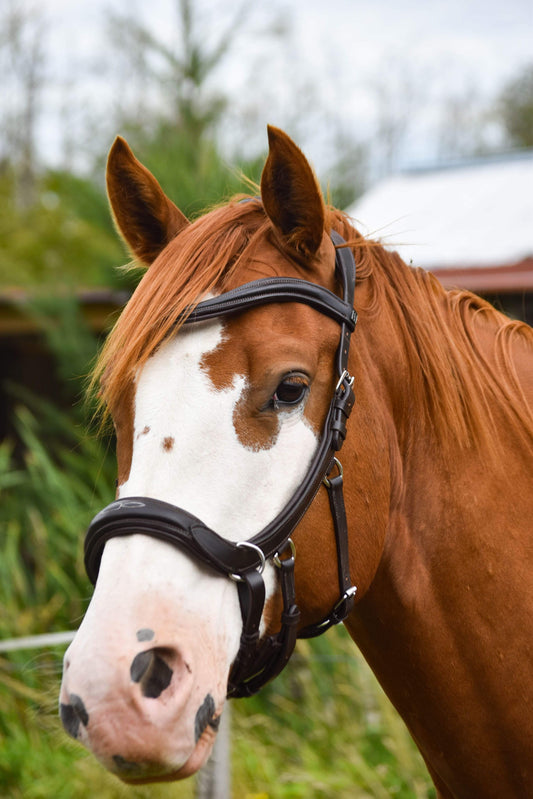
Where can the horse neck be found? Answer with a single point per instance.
(451, 382)
(459, 507)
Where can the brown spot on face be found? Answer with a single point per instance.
(253, 432)
(264, 345)
(124, 429)
(144, 431)
(168, 443)
(267, 343)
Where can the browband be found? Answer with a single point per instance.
(275, 289)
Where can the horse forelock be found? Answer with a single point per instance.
(196, 263)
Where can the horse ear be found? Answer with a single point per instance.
(291, 195)
(145, 217)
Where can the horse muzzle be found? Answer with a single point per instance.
(146, 712)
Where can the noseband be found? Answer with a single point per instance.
(258, 661)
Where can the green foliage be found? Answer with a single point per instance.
(324, 728)
(47, 501)
(60, 321)
(191, 171)
(53, 244)
(516, 109)
(65, 242)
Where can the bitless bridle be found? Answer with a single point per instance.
(259, 661)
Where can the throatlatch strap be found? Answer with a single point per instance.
(344, 606)
(338, 511)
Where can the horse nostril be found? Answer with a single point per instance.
(150, 670)
(73, 714)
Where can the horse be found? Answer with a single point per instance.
(282, 468)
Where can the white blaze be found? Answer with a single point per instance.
(208, 472)
(233, 489)
(186, 451)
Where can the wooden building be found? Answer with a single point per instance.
(26, 359)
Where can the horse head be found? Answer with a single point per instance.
(220, 416)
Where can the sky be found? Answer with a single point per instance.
(339, 66)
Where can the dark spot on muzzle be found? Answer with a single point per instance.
(126, 767)
(205, 716)
(150, 670)
(73, 714)
(146, 634)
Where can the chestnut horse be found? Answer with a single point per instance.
(219, 418)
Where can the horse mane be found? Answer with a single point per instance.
(451, 378)
(456, 381)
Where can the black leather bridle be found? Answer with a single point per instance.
(258, 661)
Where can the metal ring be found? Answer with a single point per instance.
(347, 374)
(237, 577)
(276, 558)
(338, 464)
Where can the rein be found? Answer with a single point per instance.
(257, 661)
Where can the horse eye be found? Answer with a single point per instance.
(291, 391)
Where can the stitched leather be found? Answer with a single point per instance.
(274, 289)
(168, 523)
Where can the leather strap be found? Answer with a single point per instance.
(347, 590)
(274, 653)
(274, 289)
(168, 523)
(251, 588)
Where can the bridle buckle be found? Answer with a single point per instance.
(276, 557)
(238, 578)
(344, 606)
(345, 379)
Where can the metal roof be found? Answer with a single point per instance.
(472, 218)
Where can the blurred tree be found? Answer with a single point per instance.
(515, 108)
(399, 95)
(64, 239)
(348, 174)
(22, 65)
(169, 80)
(462, 130)
(170, 110)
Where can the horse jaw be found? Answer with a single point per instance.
(151, 601)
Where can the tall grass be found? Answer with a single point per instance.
(322, 729)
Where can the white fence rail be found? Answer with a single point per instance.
(36, 641)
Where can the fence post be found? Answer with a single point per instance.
(214, 779)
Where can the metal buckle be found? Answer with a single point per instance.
(338, 464)
(237, 577)
(276, 558)
(348, 594)
(349, 380)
